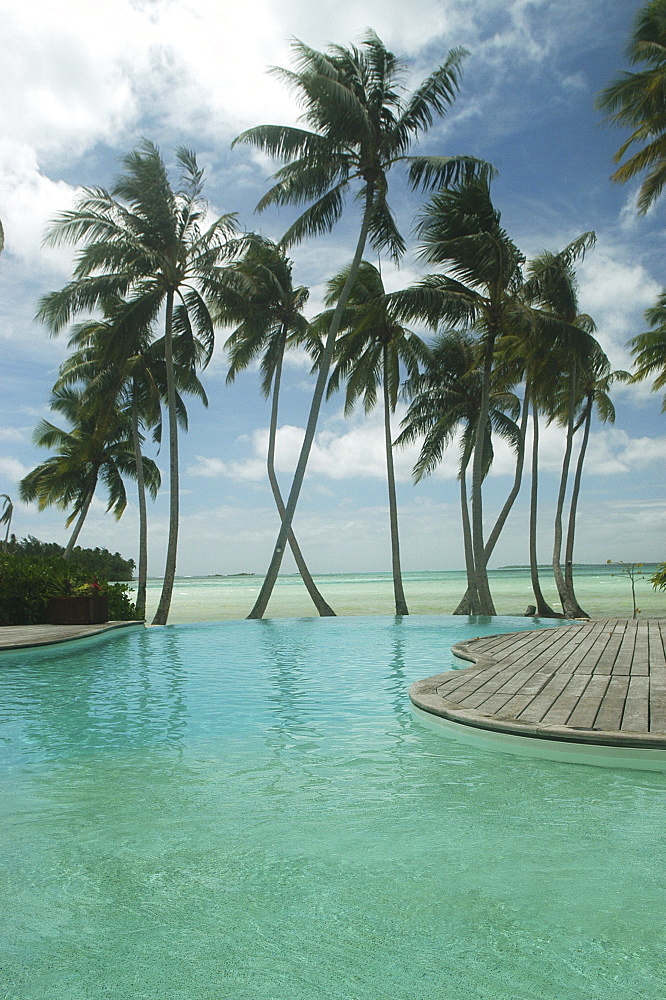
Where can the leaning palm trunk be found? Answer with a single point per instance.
(543, 609)
(571, 607)
(467, 603)
(82, 516)
(486, 606)
(398, 592)
(276, 560)
(164, 605)
(323, 608)
(557, 538)
(142, 576)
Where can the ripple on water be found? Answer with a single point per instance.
(248, 810)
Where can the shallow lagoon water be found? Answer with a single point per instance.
(248, 810)
(603, 591)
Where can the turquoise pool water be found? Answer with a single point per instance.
(247, 810)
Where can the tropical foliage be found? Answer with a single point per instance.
(372, 352)
(498, 339)
(638, 101)
(360, 126)
(28, 581)
(152, 247)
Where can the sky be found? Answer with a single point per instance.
(84, 82)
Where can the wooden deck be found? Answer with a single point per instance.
(596, 682)
(28, 636)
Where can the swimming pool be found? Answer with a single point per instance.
(248, 810)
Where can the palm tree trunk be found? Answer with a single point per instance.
(469, 605)
(164, 605)
(398, 592)
(543, 609)
(323, 608)
(557, 537)
(82, 516)
(486, 606)
(572, 608)
(466, 603)
(143, 517)
(278, 552)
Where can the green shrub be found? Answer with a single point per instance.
(27, 582)
(95, 562)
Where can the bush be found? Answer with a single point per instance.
(95, 562)
(27, 582)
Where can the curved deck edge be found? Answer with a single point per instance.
(565, 751)
(424, 695)
(14, 638)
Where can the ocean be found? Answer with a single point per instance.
(603, 591)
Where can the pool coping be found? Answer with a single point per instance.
(13, 637)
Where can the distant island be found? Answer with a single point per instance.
(225, 576)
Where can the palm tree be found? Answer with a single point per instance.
(269, 310)
(570, 335)
(461, 228)
(444, 400)
(649, 348)
(360, 126)
(6, 516)
(369, 355)
(146, 243)
(596, 379)
(98, 446)
(638, 100)
(544, 348)
(117, 360)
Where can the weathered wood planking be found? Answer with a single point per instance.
(601, 681)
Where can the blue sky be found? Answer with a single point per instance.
(84, 82)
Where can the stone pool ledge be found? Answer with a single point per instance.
(28, 636)
(594, 691)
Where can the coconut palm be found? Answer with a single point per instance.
(151, 246)
(461, 228)
(6, 516)
(638, 100)
(269, 311)
(595, 381)
(541, 349)
(444, 401)
(570, 335)
(98, 446)
(649, 348)
(360, 125)
(117, 359)
(372, 348)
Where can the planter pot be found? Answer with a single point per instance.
(78, 610)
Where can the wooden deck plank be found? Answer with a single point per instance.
(636, 715)
(586, 710)
(625, 654)
(608, 653)
(657, 660)
(612, 704)
(560, 711)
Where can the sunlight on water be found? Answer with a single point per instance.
(248, 811)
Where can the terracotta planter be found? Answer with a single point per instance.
(78, 610)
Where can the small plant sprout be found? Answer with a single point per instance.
(633, 571)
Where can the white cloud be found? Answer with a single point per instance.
(615, 292)
(12, 468)
(12, 434)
